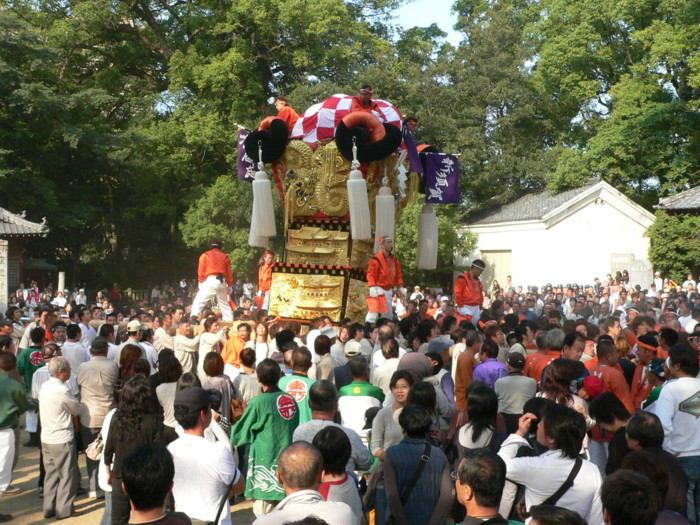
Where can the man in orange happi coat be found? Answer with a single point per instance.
(383, 273)
(647, 349)
(286, 112)
(364, 102)
(215, 276)
(265, 279)
(608, 370)
(469, 292)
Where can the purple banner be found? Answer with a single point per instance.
(246, 166)
(413, 158)
(441, 178)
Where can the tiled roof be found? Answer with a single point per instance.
(12, 225)
(685, 200)
(533, 206)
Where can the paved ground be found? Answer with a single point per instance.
(26, 507)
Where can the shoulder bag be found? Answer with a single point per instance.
(554, 498)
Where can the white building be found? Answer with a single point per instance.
(568, 238)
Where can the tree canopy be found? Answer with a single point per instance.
(118, 119)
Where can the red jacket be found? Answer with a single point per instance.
(383, 273)
(468, 291)
(215, 262)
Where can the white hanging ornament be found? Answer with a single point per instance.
(426, 254)
(358, 201)
(263, 209)
(384, 212)
(254, 237)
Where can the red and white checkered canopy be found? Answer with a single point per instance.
(320, 120)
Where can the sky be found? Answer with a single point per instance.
(425, 12)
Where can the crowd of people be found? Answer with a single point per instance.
(554, 404)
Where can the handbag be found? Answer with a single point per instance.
(238, 406)
(449, 446)
(94, 449)
(391, 520)
(554, 498)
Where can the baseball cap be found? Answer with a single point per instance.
(594, 386)
(516, 360)
(194, 398)
(656, 367)
(438, 346)
(134, 326)
(352, 348)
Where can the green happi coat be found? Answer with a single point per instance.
(267, 425)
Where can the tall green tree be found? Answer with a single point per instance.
(622, 78)
(674, 244)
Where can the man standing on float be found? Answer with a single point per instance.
(215, 276)
(383, 274)
(469, 292)
(265, 279)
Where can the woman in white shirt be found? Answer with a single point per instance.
(213, 334)
(260, 344)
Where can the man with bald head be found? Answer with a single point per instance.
(300, 468)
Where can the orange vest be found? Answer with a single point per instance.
(615, 382)
(215, 262)
(536, 363)
(641, 387)
(468, 291)
(265, 277)
(383, 273)
(231, 353)
(357, 106)
(290, 116)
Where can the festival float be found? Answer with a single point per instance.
(344, 178)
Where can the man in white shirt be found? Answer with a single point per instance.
(381, 375)
(82, 317)
(133, 330)
(186, 347)
(59, 300)
(678, 408)
(204, 471)
(162, 338)
(300, 469)
(73, 350)
(685, 315)
(96, 379)
(57, 407)
(81, 298)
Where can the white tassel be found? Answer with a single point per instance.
(426, 254)
(263, 208)
(384, 213)
(254, 237)
(358, 202)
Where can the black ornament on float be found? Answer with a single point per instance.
(367, 151)
(274, 141)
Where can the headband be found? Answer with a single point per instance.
(647, 347)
